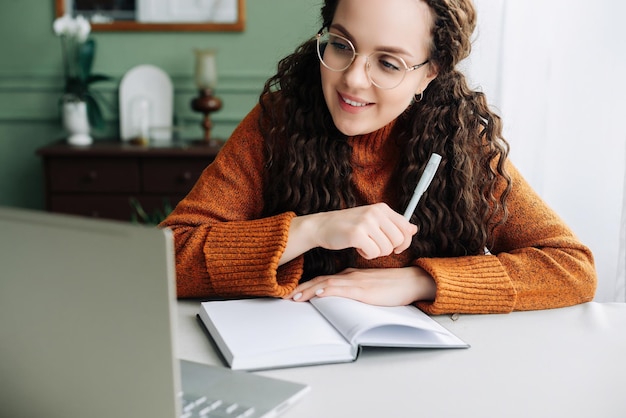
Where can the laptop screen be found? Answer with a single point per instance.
(87, 325)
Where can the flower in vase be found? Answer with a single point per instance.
(78, 54)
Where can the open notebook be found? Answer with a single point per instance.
(87, 319)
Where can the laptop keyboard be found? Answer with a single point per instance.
(204, 407)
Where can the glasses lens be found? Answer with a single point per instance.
(386, 71)
(335, 52)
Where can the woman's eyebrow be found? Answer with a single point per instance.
(392, 49)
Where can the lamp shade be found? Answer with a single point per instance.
(206, 70)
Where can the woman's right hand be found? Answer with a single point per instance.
(373, 230)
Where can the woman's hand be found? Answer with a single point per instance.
(373, 230)
(385, 287)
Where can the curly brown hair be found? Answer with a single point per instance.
(308, 158)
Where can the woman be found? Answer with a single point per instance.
(305, 198)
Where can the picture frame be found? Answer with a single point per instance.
(158, 15)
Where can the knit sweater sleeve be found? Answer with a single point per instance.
(223, 248)
(535, 262)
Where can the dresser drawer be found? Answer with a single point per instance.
(171, 176)
(94, 175)
(93, 206)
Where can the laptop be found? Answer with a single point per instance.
(87, 326)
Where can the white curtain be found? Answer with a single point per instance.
(555, 71)
(620, 283)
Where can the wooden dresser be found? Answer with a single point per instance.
(110, 179)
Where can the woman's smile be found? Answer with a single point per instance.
(352, 104)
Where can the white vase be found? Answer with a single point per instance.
(76, 122)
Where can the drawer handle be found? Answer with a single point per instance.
(186, 177)
(92, 176)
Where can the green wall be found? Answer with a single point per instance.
(31, 78)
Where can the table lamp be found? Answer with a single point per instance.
(206, 79)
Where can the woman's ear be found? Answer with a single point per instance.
(430, 76)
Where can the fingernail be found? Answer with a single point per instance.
(319, 292)
(297, 296)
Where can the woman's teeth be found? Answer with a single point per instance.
(353, 103)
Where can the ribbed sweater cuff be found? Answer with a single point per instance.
(473, 284)
(243, 257)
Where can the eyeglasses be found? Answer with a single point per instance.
(385, 70)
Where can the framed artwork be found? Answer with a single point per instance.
(158, 15)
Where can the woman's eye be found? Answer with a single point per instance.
(389, 63)
(340, 46)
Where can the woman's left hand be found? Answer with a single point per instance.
(384, 287)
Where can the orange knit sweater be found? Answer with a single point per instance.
(223, 248)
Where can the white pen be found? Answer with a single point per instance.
(422, 184)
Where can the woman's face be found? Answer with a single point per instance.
(400, 26)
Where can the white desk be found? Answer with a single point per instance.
(567, 362)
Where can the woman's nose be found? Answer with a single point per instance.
(357, 74)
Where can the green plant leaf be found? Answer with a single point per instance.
(74, 86)
(94, 78)
(139, 215)
(102, 100)
(86, 53)
(93, 112)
